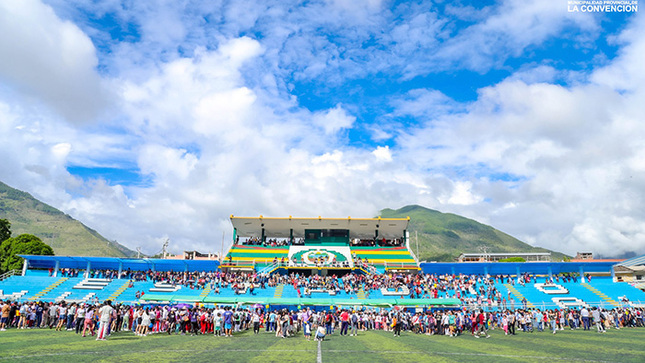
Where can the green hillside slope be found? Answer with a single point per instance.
(63, 233)
(443, 236)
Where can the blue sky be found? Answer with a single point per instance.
(129, 114)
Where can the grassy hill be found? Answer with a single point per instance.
(443, 236)
(63, 233)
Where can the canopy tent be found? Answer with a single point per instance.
(282, 227)
(115, 263)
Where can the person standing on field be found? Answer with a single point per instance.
(105, 313)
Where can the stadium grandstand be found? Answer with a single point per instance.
(323, 262)
(321, 245)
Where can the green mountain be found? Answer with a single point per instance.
(443, 236)
(67, 236)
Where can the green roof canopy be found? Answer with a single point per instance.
(281, 227)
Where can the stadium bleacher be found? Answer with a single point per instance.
(349, 247)
(386, 258)
(257, 257)
(600, 291)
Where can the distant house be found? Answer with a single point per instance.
(495, 257)
(193, 255)
(588, 257)
(631, 270)
(583, 256)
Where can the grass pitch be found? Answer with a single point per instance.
(50, 346)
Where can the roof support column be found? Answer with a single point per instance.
(582, 275)
(452, 270)
(87, 270)
(56, 268)
(263, 238)
(24, 267)
(120, 269)
(486, 271)
(291, 236)
(517, 271)
(550, 271)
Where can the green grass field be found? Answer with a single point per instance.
(625, 345)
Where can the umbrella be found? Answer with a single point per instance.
(258, 306)
(181, 306)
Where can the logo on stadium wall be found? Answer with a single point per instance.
(321, 256)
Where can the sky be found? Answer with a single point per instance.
(149, 120)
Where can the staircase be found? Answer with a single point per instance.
(119, 291)
(361, 294)
(269, 268)
(518, 295)
(602, 295)
(62, 297)
(92, 284)
(49, 288)
(205, 292)
(278, 291)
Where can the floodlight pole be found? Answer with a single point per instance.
(164, 248)
(416, 239)
(221, 252)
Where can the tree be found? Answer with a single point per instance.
(513, 259)
(5, 230)
(25, 244)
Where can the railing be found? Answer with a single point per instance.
(272, 265)
(8, 274)
(239, 263)
(400, 265)
(269, 268)
(407, 245)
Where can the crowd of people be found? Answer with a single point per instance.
(471, 290)
(282, 242)
(474, 291)
(271, 242)
(377, 242)
(102, 320)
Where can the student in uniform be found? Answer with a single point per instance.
(217, 322)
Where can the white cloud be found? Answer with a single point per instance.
(218, 120)
(166, 163)
(626, 72)
(383, 153)
(461, 195)
(424, 104)
(49, 60)
(333, 120)
(512, 27)
(215, 112)
(575, 150)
